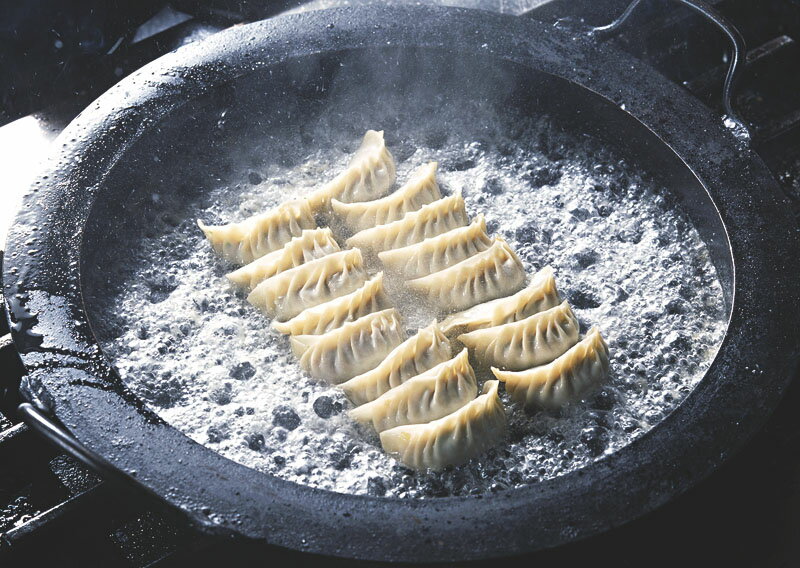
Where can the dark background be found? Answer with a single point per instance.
(57, 56)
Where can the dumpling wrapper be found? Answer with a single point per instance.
(369, 175)
(430, 220)
(535, 340)
(423, 351)
(452, 440)
(243, 242)
(439, 252)
(567, 379)
(371, 297)
(431, 395)
(351, 349)
(420, 190)
(490, 274)
(288, 293)
(541, 294)
(310, 245)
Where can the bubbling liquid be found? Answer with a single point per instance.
(624, 255)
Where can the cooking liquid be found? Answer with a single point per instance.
(624, 255)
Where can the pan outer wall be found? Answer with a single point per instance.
(69, 376)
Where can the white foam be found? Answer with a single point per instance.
(621, 254)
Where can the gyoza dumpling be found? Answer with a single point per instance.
(285, 295)
(541, 294)
(437, 253)
(490, 274)
(435, 393)
(419, 190)
(355, 347)
(256, 236)
(371, 297)
(370, 175)
(432, 219)
(415, 355)
(535, 340)
(310, 245)
(567, 379)
(452, 440)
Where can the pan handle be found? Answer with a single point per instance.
(738, 53)
(48, 428)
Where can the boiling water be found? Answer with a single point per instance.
(624, 255)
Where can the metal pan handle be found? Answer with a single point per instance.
(738, 54)
(45, 426)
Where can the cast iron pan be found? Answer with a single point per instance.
(173, 104)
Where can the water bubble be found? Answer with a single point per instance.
(208, 362)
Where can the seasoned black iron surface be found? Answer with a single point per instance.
(68, 374)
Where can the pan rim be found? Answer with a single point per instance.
(340, 16)
(717, 348)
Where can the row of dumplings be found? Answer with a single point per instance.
(420, 398)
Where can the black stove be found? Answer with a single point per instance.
(55, 58)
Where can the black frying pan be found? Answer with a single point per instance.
(267, 74)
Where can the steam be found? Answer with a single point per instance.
(624, 255)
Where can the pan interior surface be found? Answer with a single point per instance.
(569, 179)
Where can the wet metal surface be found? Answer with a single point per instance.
(743, 515)
(222, 497)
